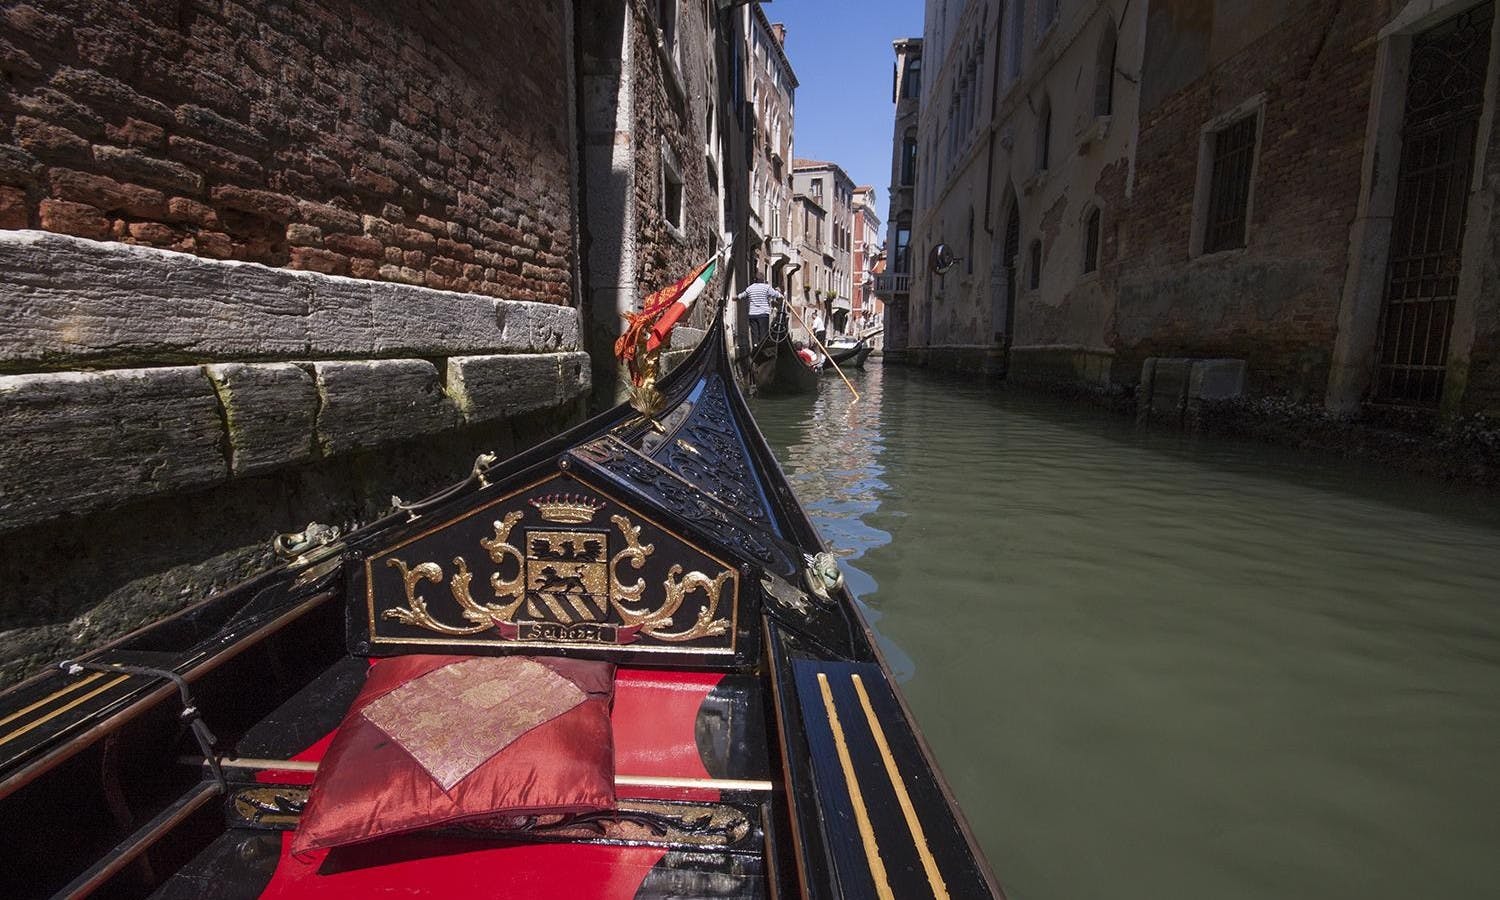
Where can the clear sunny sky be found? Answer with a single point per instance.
(841, 52)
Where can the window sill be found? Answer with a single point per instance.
(1216, 256)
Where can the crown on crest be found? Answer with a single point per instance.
(567, 509)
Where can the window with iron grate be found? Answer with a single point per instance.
(1233, 150)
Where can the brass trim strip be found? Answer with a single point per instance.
(50, 697)
(62, 709)
(662, 781)
(861, 815)
(929, 864)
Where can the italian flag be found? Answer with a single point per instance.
(661, 311)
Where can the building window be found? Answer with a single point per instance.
(911, 81)
(1091, 242)
(969, 248)
(816, 189)
(1104, 74)
(671, 192)
(1044, 135)
(1015, 43)
(1233, 156)
(909, 159)
(666, 20)
(901, 258)
(1034, 265)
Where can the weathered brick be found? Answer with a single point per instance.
(136, 133)
(215, 160)
(80, 219)
(51, 142)
(314, 259)
(106, 193)
(104, 93)
(218, 129)
(17, 166)
(354, 245)
(13, 208)
(277, 207)
(138, 166)
(329, 218)
(299, 234)
(186, 209)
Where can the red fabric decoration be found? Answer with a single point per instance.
(436, 740)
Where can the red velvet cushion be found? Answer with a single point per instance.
(435, 740)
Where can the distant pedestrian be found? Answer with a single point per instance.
(760, 296)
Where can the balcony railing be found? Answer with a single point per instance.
(888, 283)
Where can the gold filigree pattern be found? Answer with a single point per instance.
(562, 571)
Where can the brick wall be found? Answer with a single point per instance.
(664, 116)
(1275, 303)
(395, 141)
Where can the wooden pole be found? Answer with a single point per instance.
(826, 355)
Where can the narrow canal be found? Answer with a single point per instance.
(1159, 666)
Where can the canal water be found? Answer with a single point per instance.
(1161, 666)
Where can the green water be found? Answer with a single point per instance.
(1158, 666)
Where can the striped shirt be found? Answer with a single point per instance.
(760, 295)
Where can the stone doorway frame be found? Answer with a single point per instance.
(1353, 368)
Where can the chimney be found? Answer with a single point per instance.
(779, 29)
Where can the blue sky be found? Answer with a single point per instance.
(841, 52)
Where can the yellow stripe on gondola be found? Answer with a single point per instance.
(62, 709)
(929, 864)
(49, 698)
(861, 815)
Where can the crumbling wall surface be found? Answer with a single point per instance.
(415, 142)
(1275, 301)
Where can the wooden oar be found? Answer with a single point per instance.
(826, 355)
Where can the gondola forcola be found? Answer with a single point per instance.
(619, 664)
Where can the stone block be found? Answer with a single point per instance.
(271, 413)
(79, 441)
(538, 326)
(367, 403)
(1217, 379)
(1169, 384)
(497, 387)
(65, 301)
(80, 301)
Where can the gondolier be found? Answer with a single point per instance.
(759, 296)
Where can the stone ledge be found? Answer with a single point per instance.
(66, 301)
(78, 441)
(367, 403)
(493, 387)
(270, 413)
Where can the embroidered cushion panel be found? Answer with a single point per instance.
(434, 740)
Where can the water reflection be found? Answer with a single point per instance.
(1154, 665)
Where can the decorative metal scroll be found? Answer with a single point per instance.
(641, 474)
(555, 564)
(707, 452)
